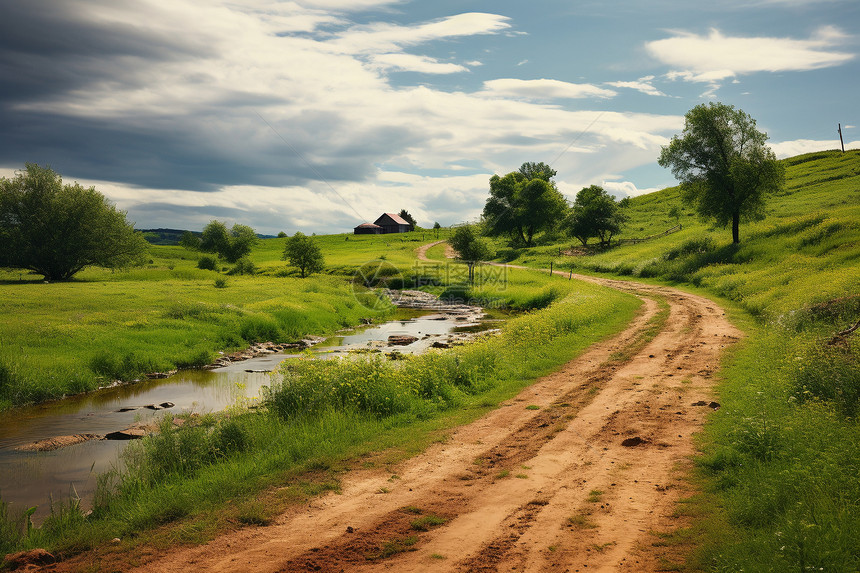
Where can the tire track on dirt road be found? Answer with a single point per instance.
(576, 485)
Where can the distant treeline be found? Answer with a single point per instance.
(172, 236)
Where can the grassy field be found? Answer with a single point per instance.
(187, 484)
(780, 463)
(779, 467)
(71, 337)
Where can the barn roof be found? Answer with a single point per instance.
(368, 226)
(396, 218)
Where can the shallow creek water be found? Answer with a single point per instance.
(32, 478)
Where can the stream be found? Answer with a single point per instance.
(33, 478)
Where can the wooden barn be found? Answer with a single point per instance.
(386, 223)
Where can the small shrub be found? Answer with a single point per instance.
(244, 266)
(256, 328)
(694, 246)
(831, 374)
(182, 310)
(207, 263)
(230, 437)
(220, 282)
(128, 366)
(395, 546)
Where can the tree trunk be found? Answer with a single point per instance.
(736, 222)
(522, 235)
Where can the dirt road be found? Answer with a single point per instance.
(580, 483)
(421, 252)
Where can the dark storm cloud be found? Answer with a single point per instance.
(55, 28)
(197, 153)
(47, 48)
(49, 52)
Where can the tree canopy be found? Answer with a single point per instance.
(303, 253)
(471, 248)
(404, 214)
(57, 230)
(723, 164)
(595, 214)
(538, 170)
(231, 245)
(189, 240)
(524, 203)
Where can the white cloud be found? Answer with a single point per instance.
(716, 57)
(643, 85)
(413, 63)
(543, 89)
(800, 146)
(385, 37)
(622, 189)
(330, 99)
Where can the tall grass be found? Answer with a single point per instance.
(418, 385)
(781, 460)
(320, 413)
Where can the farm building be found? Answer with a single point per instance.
(367, 229)
(386, 223)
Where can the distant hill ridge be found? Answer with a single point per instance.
(172, 236)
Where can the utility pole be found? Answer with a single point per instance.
(840, 137)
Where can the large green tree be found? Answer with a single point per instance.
(471, 248)
(231, 244)
(524, 203)
(303, 253)
(57, 230)
(725, 168)
(595, 213)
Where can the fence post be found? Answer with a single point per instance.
(550, 267)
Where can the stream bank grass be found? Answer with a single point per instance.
(70, 337)
(67, 338)
(316, 423)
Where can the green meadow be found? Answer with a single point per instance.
(778, 471)
(781, 458)
(185, 485)
(69, 337)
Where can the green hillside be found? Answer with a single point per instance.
(805, 252)
(779, 474)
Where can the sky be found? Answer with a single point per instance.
(319, 115)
